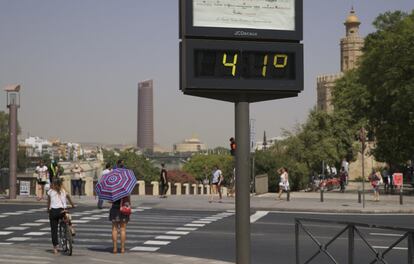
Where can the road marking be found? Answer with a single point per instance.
(5, 243)
(256, 216)
(5, 233)
(14, 260)
(186, 228)
(167, 237)
(201, 222)
(80, 221)
(211, 219)
(177, 233)
(25, 257)
(14, 213)
(3, 216)
(32, 224)
(16, 228)
(143, 208)
(100, 216)
(42, 221)
(156, 243)
(198, 225)
(148, 249)
(18, 239)
(385, 234)
(35, 234)
(396, 248)
(90, 218)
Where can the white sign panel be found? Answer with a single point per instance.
(254, 14)
(24, 187)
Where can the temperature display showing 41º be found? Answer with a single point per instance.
(237, 64)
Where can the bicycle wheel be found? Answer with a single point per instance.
(62, 231)
(68, 236)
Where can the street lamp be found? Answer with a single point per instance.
(13, 103)
(362, 138)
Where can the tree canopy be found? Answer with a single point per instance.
(379, 94)
(143, 168)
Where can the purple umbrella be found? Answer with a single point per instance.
(116, 184)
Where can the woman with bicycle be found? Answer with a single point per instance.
(56, 205)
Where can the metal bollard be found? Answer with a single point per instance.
(359, 196)
(401, 196)
(321, 195)
(288, 196)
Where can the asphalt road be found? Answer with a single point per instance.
(205, 234)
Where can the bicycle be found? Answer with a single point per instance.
(65, 234)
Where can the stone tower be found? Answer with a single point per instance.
(145, 135)
(351, 49)
(351, 44)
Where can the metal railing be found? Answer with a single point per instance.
(353, 229)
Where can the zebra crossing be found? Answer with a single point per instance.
(147, 231)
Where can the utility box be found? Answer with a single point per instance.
(261, 183)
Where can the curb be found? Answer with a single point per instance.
(346, 211)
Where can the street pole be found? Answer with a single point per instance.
(242, 183)
(13, 149)
(362, 138)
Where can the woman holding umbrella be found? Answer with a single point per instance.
(119, 222)
(116, 187)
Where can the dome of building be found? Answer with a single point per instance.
(352, 18)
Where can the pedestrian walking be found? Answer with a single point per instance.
(334, 172)
(163, 182)
(284, 181)
(56, 205)
(41, 178)
(387, 179)
(119, 216)
(342, 178)
(345, 164)
(120, 164)
(55, 170)
(105, 171)
(216, 182)
(77, 180)
(375, 179)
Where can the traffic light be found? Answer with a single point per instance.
(232, 147)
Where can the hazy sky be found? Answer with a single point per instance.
(79, 63)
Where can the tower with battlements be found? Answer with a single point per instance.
(351, 49)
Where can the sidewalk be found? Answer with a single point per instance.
(10, 254)
(334, 202)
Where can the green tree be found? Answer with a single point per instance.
(379, 95)
(142, 167)
(202, 165)
(323, 137)
(387, 72)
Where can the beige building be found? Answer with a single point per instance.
(190, 145)
(351, 49)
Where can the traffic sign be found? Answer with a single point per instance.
(397, 179)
